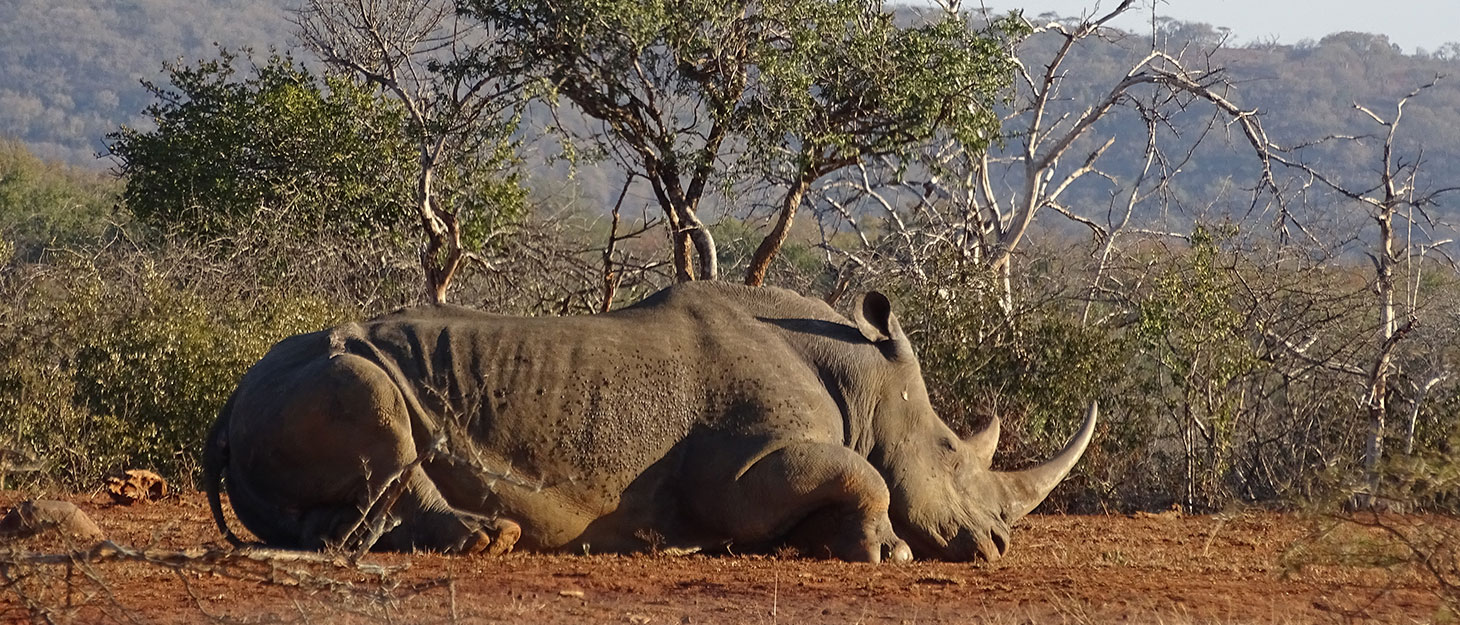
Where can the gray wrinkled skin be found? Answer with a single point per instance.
(709, 416)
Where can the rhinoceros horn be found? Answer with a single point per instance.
(1030, 486)
(984, 442)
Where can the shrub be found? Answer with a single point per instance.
(110, 362)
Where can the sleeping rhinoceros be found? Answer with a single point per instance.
(708, 416)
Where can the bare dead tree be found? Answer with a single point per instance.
(1397, 205)
(559, 262)
(959, 204)
(613, 275)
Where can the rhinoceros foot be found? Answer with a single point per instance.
(827, 534)
(496, 539)
(877, 544)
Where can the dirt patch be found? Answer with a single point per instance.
(1236, 568)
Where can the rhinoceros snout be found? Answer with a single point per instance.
(987, 544)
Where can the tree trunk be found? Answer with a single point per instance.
(760, 263)
(704, 242)
(1376, 400)
(686, 231)
(441, 253)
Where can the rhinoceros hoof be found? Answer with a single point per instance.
(897, 552)
(64, 518)
(871, 545)
(496, 539)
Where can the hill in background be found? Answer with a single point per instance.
(71, 73)
(70, 70)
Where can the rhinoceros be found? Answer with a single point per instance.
(708, 416)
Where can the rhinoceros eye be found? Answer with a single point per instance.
(950, 455)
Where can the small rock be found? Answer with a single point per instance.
(576, 594)
(134, 485)
(33, 517)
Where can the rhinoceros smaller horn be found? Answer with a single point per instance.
(984, 442)
(1027, 488)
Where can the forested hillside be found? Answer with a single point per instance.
(70, 69)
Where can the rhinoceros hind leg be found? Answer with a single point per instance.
(823, 499)
(342, 430)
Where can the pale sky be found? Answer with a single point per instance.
(1409, 23)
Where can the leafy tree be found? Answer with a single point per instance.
(461, 126)
(854, 85)
(1199, 350)
(280, 145)
(798, 88)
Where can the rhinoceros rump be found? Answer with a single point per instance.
(708, 416)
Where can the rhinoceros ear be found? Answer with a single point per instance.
(873, 314)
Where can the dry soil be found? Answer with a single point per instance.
(1240, 567)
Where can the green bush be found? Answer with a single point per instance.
(110, 363)
(44, 205)
(277, 149)
(1191, 413)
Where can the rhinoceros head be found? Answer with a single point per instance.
(947, 501)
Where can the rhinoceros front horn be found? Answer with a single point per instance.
(1027, 488)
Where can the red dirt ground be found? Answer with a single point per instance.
(1245, 567)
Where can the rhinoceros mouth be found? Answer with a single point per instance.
(964, 546)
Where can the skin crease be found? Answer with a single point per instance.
(708, 417)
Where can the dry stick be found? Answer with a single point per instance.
(216, 618)
(376, 514)
(220, 561)
(611, 279)
(34, 608)
(375, 518)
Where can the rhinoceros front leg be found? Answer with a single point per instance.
(821, 498)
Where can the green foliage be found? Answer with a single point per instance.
(279, 147)
(849, 82)
(706, 94)
(110, 363)
(1199, 352)
(48, 204)
(484, 191)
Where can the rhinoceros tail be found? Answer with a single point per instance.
(215, 459)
